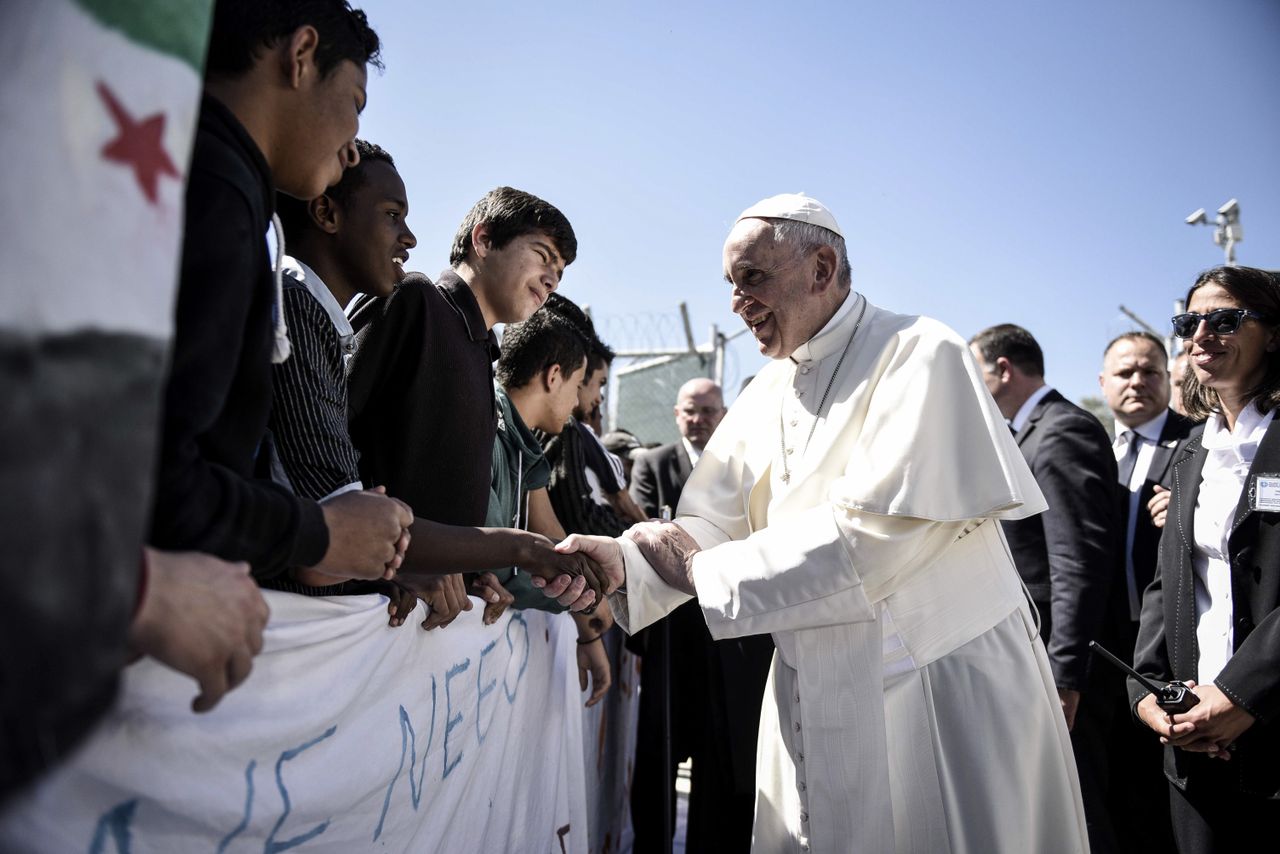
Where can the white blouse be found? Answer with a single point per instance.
(1226, 469)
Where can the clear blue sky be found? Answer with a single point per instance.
(1026, 162)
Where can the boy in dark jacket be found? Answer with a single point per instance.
(284, 85)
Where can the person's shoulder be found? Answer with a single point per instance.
(412, 294)
(1181, 428)
(916, 341)
(1066, 418)
(655, 456)
(218, 165)
(301, 305)
(669, 451)
(414, 288)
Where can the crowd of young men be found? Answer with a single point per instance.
(271, 463)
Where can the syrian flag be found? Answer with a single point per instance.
(98, 105)
(98, 109)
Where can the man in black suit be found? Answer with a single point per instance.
(716, 687)
(1067, 556)
(1149, 436)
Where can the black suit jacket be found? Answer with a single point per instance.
(658, 478)
(1178, 431)
(1167, 646)
(1068, 555)
(737, 667)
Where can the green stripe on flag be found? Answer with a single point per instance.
(179, 28)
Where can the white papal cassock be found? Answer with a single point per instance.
(911, 707)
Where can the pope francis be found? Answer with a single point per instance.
(847, 506)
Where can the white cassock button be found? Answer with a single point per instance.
(804, 816)
(804, 369)
(799, 394)
(794, 422)
(789, 450)
(801, 786)
(797, 726)
(800, 756)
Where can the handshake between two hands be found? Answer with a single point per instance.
(586, 568)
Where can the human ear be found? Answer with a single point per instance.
(325, 213)
(301, 54)
(551, 378)
(481, 242)
(824, 269)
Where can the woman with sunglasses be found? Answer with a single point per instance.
(1211, 617)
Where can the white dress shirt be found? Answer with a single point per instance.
(1226, 469)
(693, 452)
(1125, 436)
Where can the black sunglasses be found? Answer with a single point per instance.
(1222, 321)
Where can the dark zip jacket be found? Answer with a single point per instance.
(213, 492)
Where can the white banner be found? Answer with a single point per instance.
(348, 736)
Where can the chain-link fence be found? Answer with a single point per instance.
(643, 394)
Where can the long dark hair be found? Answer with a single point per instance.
(1258, 291)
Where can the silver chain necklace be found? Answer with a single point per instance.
(782, 437)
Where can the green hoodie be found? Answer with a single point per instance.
(518, 468)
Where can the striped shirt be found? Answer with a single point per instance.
(309, 407)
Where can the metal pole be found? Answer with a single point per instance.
(688, 328)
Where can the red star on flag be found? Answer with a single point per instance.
(138, 145)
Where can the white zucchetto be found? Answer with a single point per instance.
(794, 206)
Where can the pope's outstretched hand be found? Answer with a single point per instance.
(669, 549)
(603, 550)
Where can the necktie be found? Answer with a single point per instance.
(1130, 459)
(1126, 466)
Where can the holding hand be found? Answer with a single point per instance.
(1211, 726)
(669, 550)
(497, 598)
(403, 601)
(1158, 506)
(593, 660)
(201, 616)
(606, 554)
(368, 535)
(544, 561)
(445, 596)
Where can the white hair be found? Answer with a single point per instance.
(806, 236)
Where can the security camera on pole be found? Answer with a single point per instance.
(1228, 231)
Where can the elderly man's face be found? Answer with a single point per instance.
(699, 410)
(771, 288)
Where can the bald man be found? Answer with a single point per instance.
(716, 686)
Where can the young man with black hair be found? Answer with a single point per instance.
(423, 412)
(543, 362)
(284, 84)
(576, 454)
(354, 239)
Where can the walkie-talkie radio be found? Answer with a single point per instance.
(1174, 698)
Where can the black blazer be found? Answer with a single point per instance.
(1178, 431)
(658, 478)
(1167, 637)
(717, 686)
(1068, 555)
